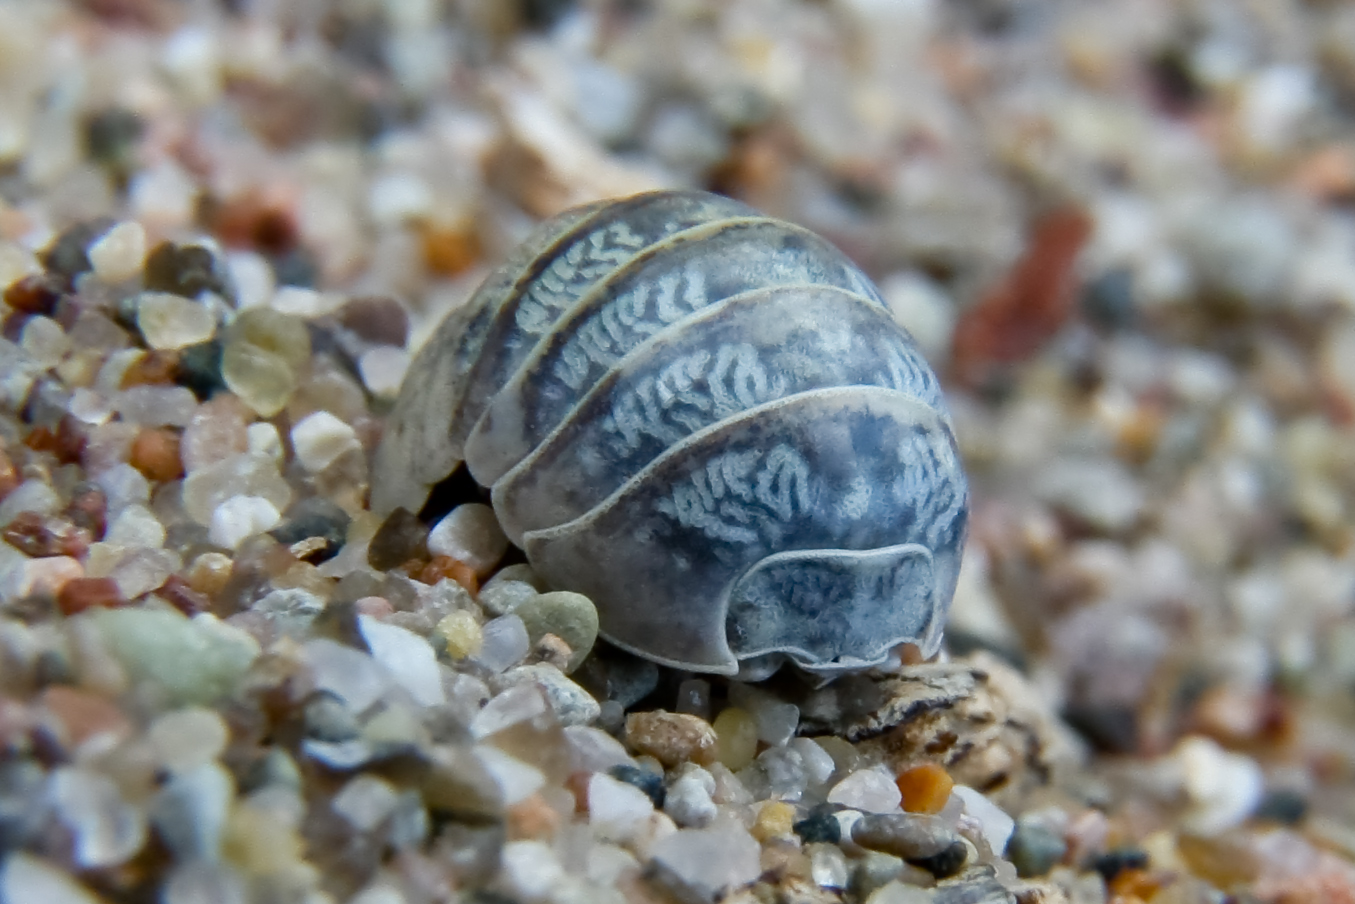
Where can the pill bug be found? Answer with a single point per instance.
(705, 420)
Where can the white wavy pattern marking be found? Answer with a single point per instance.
(625, 320)
(689, 393)
(742, 496)
(568, 277)
(927, 483)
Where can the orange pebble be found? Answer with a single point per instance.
(79, 594)
(155, 453)
(532, 817)
(155, 368)
(925, 788)
(1137, 884)
(446, 567)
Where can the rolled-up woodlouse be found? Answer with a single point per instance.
(707, 421)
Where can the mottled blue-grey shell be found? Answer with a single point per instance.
(707, 421)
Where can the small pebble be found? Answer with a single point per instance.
(617, 809)
(407, 656)
(383, 369)
(1034, 849)
(187, 738)
(688, 798)
(240, 517)
(499, 597)
(315, 518)
(819, 826)
(706, 862)
(775, 819)
(869, 790)
(904, 835)
(736, 733)
(79, 594)
(925, 788)
(400, 538)
(262, 380)
(572, 704)
(319, 439)
(120, 254)
(380, 320)
(471, 534)
(460, 634)
(172, 321)
(570, 616)
(155, 453)
(504, 643)
(828, 866)
(263, 439)
(649, 782)
(671, 738)
(135, 526)
(947, 862)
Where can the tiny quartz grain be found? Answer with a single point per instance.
(120, 254)
(171, 321)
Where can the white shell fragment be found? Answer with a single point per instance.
(708, 422)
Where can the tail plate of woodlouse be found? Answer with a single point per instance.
(707, 421)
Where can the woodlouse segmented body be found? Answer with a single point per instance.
(707, 421)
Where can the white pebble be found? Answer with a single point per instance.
(470, 534)
(140, 571)
(872, 790)
(123, 485)
(187, 738)
(156, 406)
(120, 254)
(617, 810)
(593, 750)
(136, 526)
(383, 369)
(1224, 788)
(517, 780)
(45, 341)
(994, 823)
(689, 800)
(320, 438)
(711, 861)
(240, 517)
(171, 321)
(349, 674)
(264, 439)
(531, 870)
(306, 303)
(252, 277)
(407, 656)
(818, 763)
(90, 407)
